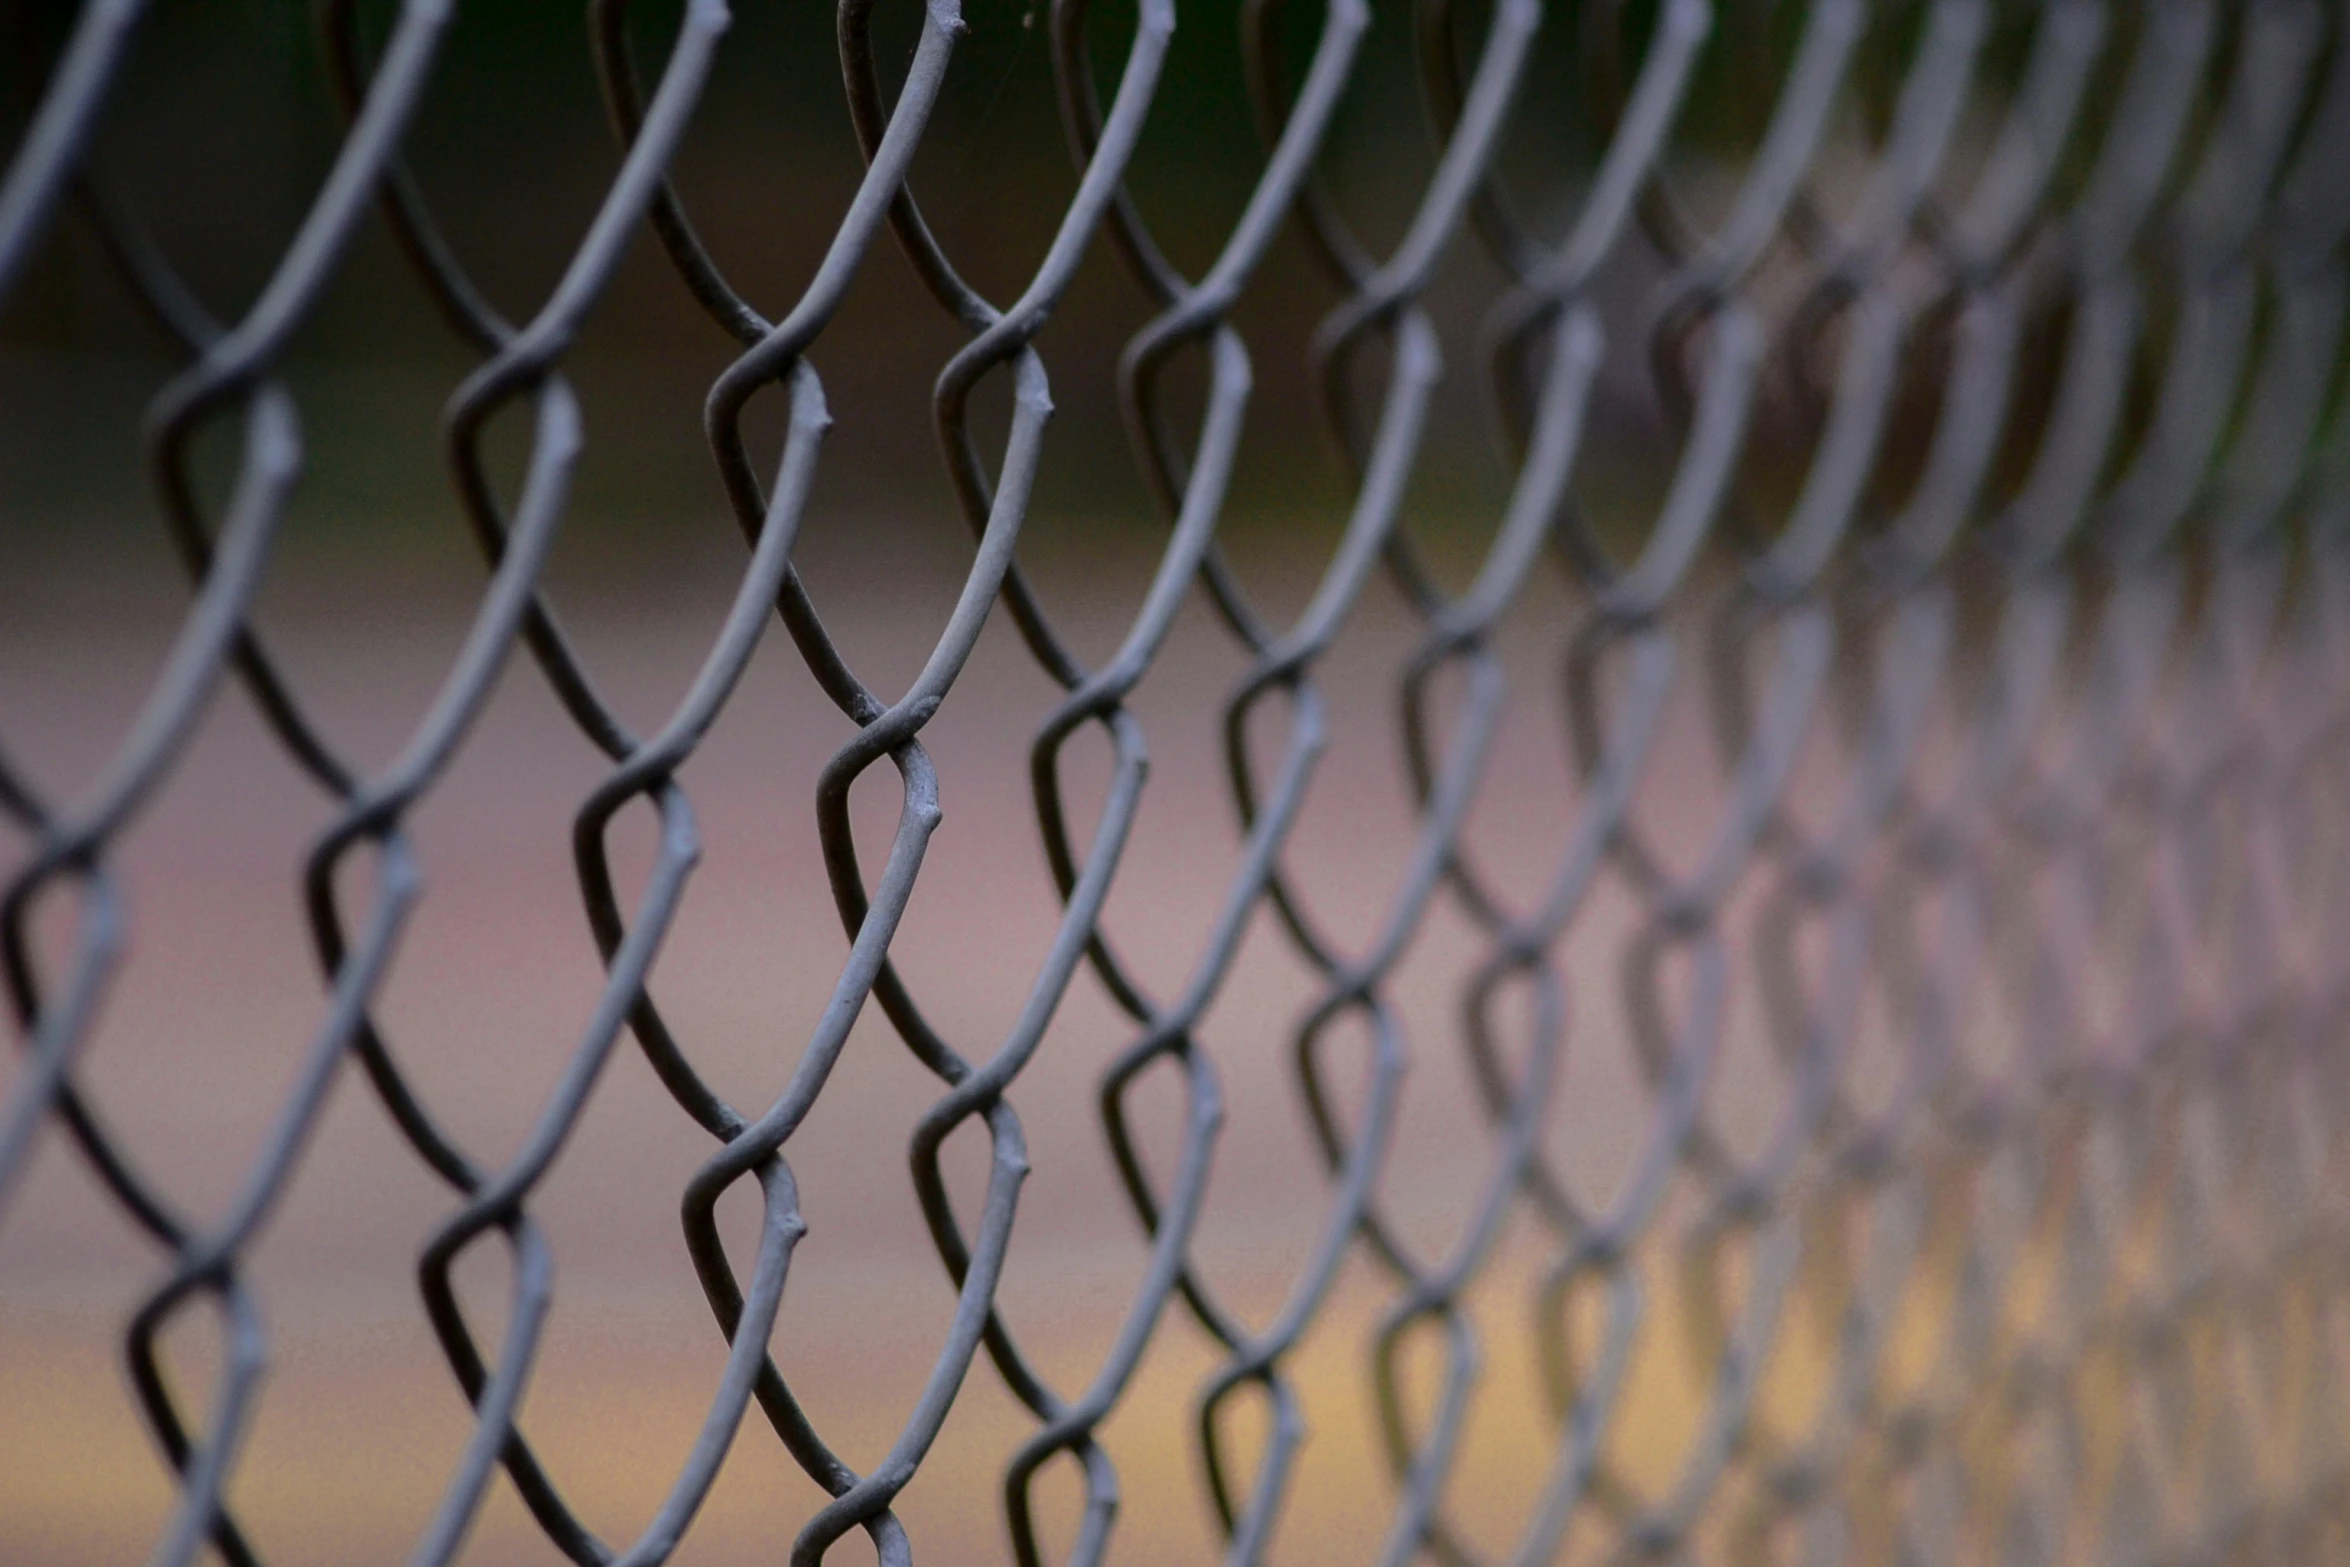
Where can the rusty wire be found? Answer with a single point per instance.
(2150, 735)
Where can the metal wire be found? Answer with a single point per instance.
(2115, 567)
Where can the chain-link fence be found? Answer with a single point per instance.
(1952, 700)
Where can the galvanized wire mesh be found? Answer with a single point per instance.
(2029, 690)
